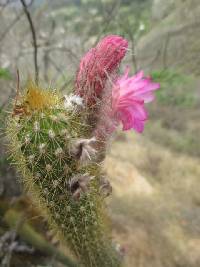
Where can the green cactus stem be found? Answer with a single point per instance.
(52, 148)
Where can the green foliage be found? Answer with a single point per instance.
(176, 89)
(104, 17)
(5, 74)
(131, 17)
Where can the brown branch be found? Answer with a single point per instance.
(29, 18)
(183, 28)
(108, 19)
(17, 91)
(133, 56)
(165, 50)
(46, 52)
(3, 35)
(129, 31)
(7, 3)
(59, 69)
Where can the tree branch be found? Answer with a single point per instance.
(13, 23)
(29, 18)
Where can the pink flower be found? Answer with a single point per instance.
(95, 67)
(129, 95)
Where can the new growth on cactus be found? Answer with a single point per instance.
(55, 142)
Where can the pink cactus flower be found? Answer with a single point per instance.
(129, 95)
(95, 67)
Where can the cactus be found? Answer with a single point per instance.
(57, 144)
(46, 144)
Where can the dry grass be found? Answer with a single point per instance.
(156, 203)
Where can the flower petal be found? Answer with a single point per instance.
(128, 97)
(139, 126)
(127, 119)
(95, 67)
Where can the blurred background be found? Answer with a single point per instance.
(155, 206)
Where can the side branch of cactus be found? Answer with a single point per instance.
(27, 233)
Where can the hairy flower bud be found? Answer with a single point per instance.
(96, 65)
(78, 185)
(82, 149)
